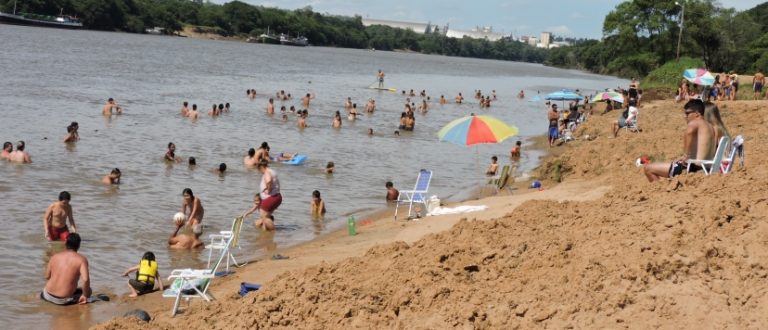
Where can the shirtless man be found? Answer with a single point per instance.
(55, 219)
(113, 177)
(459, 98)
(250, 160)
(392, 193)
(64, 270)
(443, 100)
(183, 241)
(380, 77)
(348, 104)
(196, 211)
(305, 100)
(698, 143)
(111, 104)
(7, 150)
(302, 122)
(20, 156)
(185, 109)
(493, 167)
(758, 81)
(271, 106)
(370, 107)
(193, 114)
(263, 153)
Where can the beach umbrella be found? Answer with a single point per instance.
(475, 130)
(699, 76)
(564, 95)
(605, 96)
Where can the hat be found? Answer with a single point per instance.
(536, 184)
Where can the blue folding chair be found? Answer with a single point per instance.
(417, 195)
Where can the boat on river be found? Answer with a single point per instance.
(289, 41)
(60, 21)
(267, 38)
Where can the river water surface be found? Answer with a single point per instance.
(53, 77)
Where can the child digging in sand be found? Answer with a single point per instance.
(146, 275)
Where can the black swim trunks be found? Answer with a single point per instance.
(677, 168)
(141, 287)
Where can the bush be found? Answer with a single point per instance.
(670, 74)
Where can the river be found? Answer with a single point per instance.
(52, 77)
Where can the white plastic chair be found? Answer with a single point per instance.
(709, 166)
(737, 149)
(192, 283)
(417, 195)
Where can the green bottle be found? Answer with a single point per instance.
(351, 226)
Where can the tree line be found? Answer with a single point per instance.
(237, 18)
(640, 36)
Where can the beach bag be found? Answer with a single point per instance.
(246, 287)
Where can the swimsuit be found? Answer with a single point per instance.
(58, 234)
(44, 295)
(676, 168)
(271, 203)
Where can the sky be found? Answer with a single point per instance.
(568, 18)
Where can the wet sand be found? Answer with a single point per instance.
(604, 248)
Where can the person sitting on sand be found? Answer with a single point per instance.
(698, 143)
(19, 155)
(109, 106)
(113, 177)
(7, 150)
(183, 241)
(392, 193)
(64, 271)
(147, 275)
(494, 167)
(72, 134)
(317, 205)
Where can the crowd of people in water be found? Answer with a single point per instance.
(67, 268)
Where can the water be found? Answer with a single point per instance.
(53, 77)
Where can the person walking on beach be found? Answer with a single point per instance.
(698, 143)
(64, 271)
(55, 219)
(196, 211)
(270, 191)
(758, 81)
(146, 276)
(20, 156)
(109, 106)
(380, 76)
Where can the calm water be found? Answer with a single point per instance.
(52, 77)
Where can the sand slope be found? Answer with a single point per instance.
(683, 253)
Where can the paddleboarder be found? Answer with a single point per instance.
(380, 75)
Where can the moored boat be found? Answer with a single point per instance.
(298, 41)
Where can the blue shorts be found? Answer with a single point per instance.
(553, 133)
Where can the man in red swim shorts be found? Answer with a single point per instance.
(270, 196)
(55, 219)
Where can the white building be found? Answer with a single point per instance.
(421, 28)
(546, 39)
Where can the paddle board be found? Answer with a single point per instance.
(384, 89)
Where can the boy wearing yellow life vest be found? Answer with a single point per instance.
(146, 275)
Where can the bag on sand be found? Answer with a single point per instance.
(248, 287)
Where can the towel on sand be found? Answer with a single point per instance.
(457, 210)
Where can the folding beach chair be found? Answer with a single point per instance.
(500, 181)
(417, 195)
(737, 149)
(710, 166)
(632, 126)
(227, 240)
(193, 283)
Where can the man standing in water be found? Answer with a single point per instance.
(111, 104)
(55, 219)
(20, 156)
(380, 75)
(62, 274)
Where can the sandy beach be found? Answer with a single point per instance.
(603, 248)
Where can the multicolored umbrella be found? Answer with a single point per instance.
(604, 96)
(476, 129)
(699, 76)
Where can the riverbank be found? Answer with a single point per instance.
(605, 247)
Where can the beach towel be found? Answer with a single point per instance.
(457, 210)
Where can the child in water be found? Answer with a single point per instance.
(146, 276)
(317, 205)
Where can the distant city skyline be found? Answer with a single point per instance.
(577, 19)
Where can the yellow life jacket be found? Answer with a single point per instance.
(147, 271)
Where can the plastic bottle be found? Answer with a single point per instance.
(351, 226)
